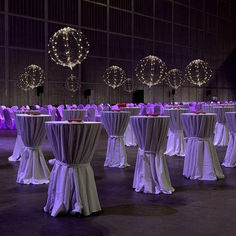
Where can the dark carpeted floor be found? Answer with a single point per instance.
(195, 208)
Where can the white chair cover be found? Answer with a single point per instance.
(91, 114)
(230, 157)
(115, 124)
(151, 171)
(208, 108)
(221, 137)
(73, 114)
(201, 160)
(72, 185)
(129, 137)
(9, 120)
(175, 143)
(33, 168)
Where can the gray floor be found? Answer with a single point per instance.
(196, 207)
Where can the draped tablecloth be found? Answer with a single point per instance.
(201, 160)
(129, 137)
(73, 114)
(208, 108)
(151, 171)
(72, 187)
(175, 143)
(33, 168)
(19, 146)
(115, 124)
(221, 137)
(230, 157)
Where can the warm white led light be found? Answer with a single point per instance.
(114, 76)
(129, 85)
(198, 72)
(68, 47)
(72, 84)
(175, 78)
(32, 77)
(151, 70)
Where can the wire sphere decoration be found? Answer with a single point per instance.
(68, 47)
(129, 85)
(72, 84)
(21, 83)
(151, 71)
(33, 76)
(198, 72)
(114, 76)
(175, 78)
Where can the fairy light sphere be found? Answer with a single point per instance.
(129, 85)
(175, 78)
(68, 47)
(114, 76)
(198, 72)
(33, 76)
(151, 70)
(72, 84)
(21, 84)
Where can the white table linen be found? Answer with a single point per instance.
(19, 146)
(175, 143)
(201, 160)
(72, 187)
(73, 114)
(115, 124)
(33, 168)
(221, 137)
(230, 156)
(208, 108)
(151, 171)
(129, 137)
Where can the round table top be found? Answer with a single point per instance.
(72, 122)
(29, 115)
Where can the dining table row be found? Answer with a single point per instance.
(72, 187)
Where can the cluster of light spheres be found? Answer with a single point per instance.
(198, 72)
(151, 70)
(129, 85)
(114, 76)
(72, 84)
(175, 78)
(68, 47)
(32, 77)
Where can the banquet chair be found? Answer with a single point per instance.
(9, 120)
(91, 114)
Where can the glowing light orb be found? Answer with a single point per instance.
(151, 70)
(114, 76)
(68, 47)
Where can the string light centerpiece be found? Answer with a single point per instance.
(151, 71)
(129, 85)
(114, 76)
(32, 77)
(72, 84)
(21, 84)
(198, 72)
(175, 78)
(68, 47)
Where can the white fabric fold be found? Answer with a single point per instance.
(151, 171)
(175, 143)
(201, 160)
(115, 124)
(18, 149)
(33, 168)
(230, 156)
(72, 188)
(221, 137)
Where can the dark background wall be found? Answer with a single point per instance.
(120, 32)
